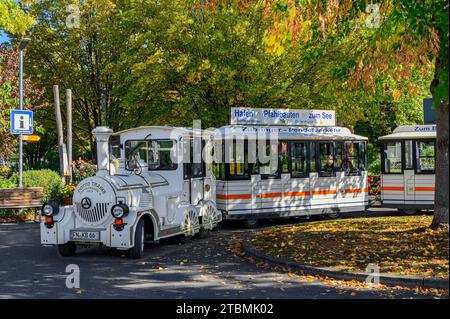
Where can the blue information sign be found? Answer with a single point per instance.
(21, 122)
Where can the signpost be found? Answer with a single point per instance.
(256, 116)
(21, 123)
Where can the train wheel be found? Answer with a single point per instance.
(209, 216)
(137, 251)
(251, 223)
(191, 224)
(67, 249)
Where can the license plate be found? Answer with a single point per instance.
(84, 235)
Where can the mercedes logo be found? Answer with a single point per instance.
(86, 203)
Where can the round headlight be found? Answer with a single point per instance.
(119, 210)
(50, 209)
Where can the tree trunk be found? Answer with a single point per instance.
(440, 220)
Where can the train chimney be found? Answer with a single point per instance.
(102, 134)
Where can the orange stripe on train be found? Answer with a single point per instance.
(236, 196)
(269, 195)
(424, 189)
(392, 188)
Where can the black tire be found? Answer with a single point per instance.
(137, 252)
(203, 233)
(408, 212)
(333, 216)
(68, 249)
(250, 223)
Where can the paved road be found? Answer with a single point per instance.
(203, 268)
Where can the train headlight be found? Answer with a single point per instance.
(50, 209)
(119, 210)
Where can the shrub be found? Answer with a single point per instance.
(67, 191)
(48, 179)
(6, 183)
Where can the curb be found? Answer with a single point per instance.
(385, 279)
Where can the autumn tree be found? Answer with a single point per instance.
(390, 40)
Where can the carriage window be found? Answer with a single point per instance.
(161, 155)
(218, 165)
(363, 157)
(425, 157)
(266, 161)
(298, 159)
(408, 155)
(392, 157)
(340, 156)
(326, 160)
(237, 158)
(351, 158)
(313, 165)
(284, 157)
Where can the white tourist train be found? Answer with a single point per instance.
(294, 171)
(150, 184)
(408, 168)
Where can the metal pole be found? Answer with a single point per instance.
(69, 130)
(21, 108)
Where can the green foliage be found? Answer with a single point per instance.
(13, 18)
(373, 159)
(6, 183)
(49, 180)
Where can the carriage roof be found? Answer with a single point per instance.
(408, 132)
(166, 131)
(286, 132)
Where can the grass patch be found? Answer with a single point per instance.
(398, 245)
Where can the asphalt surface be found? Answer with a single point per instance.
(200, 268)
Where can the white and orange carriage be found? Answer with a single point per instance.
(408, 168)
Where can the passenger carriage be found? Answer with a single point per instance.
(408, 168)
(314, 170)
(150, 185)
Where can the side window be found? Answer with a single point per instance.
(270, 168)
(284, 157)
(198, 164)
(363, 156)
(218, 165)
(238, 160)
(161, 154)
(352, 158)
(298, 160)
(326, 159)
(392, 157)
(312, 155)
(114, 147)
(425, 153)
(409, 154)
(340, 156)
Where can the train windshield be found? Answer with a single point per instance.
(155, 154)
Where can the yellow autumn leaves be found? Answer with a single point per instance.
(287, 28)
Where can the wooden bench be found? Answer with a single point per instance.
(17, 198)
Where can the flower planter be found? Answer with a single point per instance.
(67, 201)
